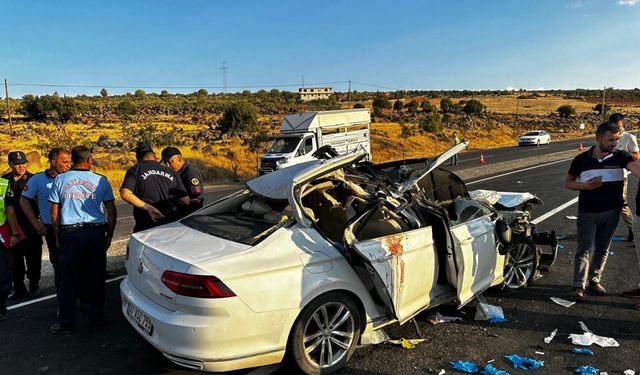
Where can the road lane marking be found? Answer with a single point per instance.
(518, 171)
(51, 296)
(544, 217)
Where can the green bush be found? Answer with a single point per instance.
(238, 117)
(566, 110)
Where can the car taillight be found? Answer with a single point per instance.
(196, 285)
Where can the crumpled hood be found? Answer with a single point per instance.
(188, 245)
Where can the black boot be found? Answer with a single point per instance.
(630, 236)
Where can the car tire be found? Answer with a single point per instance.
(315, 331)
(521, 264)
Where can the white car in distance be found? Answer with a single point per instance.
(307, 262)
(534, 138)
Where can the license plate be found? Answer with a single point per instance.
(144, 322)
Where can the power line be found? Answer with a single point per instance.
(166, 87)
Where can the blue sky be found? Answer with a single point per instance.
(530, 44)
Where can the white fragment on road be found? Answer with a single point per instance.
(572, 217)
(442, 372)
(549, 338)
(562, 302)
(629, 372)
(588, 338)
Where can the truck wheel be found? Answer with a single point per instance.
(325, 334)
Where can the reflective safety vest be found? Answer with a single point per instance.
(4, 185)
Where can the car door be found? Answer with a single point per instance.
(478, 263)
(400, 263)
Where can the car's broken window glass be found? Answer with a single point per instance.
(463, 210)
(243, 218)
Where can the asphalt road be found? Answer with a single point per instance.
(28, 348)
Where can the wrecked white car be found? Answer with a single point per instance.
(309, 261)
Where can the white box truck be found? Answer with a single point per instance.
(304, 133)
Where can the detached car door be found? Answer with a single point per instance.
(478, 263)
(401, 263)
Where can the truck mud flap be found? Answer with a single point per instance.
(548, 243)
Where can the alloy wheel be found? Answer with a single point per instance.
(521, 265)
(329, 334)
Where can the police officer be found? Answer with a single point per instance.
(191, 179)
(29, 249)
(36, 193)
(154, 190)
(83, 214)
(8, 239)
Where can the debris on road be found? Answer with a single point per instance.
(498, 319)
(618, 238)
(524, 363)
(485, 311)
(561, 237)
(406, 343)
(587, 338)
(489, 369)
(562, 302)
(629, 372)
(582, 351)
(439, 318)
(587, 370)
(572, 217)
(551, 336)
(463, 366)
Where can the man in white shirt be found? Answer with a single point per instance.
(629, 143)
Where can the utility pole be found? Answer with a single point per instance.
(224, 75)
(349, 94)
(6, 94)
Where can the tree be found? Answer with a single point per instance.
(446, 105)
(431, 123)
(406, 133)
(473, 107)
(358, 105)
(598, 108)
(566, 110)
(164, 93)
(398, 106)
(238, 117)
(126, 108)
(202, 92)
(257, 141)
(69, 110)
(139, 93)
(412, 106)
(104, 93)
(428, 107)
(381, 102)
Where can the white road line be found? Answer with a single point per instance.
(544, 217)
(518, 171)
(51, 296)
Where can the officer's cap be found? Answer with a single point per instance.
(17, 157)
(169, 152)
(142, 149)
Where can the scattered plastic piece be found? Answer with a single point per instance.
(498, 319)
(439, 318)
(485, 311)
(560, 247)
(588, 338)
(582, 351)
(524, 363)
(442, 372)
(551, 336)
(612, 252)
(587, 370)
(561, 237)
(571, 217)
(468, 367)
(406, 343)
(629, 372)
(618, 238)
(490, 370)
(562, 302)
(519, 182)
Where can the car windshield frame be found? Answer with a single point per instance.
(284, 145)
(532, 134)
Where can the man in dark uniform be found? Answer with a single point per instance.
(154, 191)
(36, 194)
(191, 179)
(83, 213)
(9, 238)
(30, 249)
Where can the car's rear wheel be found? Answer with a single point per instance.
(325, 334)
(521, 264)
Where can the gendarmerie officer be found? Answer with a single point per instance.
(191, 179)
(10, 238)
(28, 250)
(153, 189)
(83, 213)
(36, 194)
